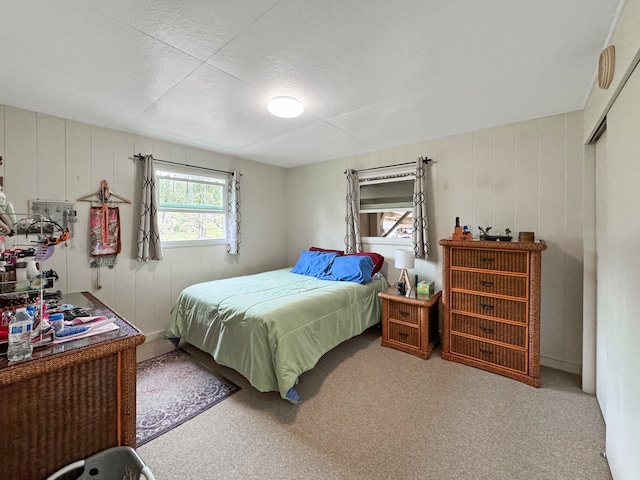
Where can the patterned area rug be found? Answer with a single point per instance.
(173, 388)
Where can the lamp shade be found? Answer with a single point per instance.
(404, 259)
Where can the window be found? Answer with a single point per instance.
(191, 206)
(386, 204)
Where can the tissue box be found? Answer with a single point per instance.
(425, 287)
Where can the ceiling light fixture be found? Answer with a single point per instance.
(285, 107)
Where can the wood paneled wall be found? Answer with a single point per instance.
(526, 176)
(52, 158)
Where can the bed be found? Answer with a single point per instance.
(271, 327)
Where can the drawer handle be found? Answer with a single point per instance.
(403, 335)
(486, 260)
(485, 283)
(486, 306)
(486, 352)
(486, 329)
(404, 314)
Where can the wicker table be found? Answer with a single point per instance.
(71, 400)
(410, 323)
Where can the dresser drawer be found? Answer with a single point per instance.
(404, 334)
(404, 312)
(497, 331)
(500, 260)
(490, 283)
(487, 352)
(490, 306)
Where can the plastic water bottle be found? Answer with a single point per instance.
(20, 326)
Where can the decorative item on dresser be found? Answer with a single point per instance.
(491, 306)
(410, 323)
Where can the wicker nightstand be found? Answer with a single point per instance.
(410, 324)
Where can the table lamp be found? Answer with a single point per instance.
(405, 260)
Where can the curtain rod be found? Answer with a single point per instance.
(139, 156)
(424, 159)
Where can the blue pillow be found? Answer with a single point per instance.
(313, 263)
(350, 269)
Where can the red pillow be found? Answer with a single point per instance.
(318, 249)
(377, 259)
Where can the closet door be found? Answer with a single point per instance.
(619, 281)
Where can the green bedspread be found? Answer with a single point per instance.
(273, 326)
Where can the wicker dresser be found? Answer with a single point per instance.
(491, 306)
(410, 324)
(69, 400)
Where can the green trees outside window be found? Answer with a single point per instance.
(191, 206)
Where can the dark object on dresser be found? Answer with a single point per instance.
(484, 235)
(496, 238)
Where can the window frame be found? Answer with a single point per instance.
(200, 172)
(385, 175)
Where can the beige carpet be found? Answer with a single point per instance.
(370, 412)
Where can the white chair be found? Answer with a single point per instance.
(116, 462)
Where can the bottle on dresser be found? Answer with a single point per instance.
(20, 327)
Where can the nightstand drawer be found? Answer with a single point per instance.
(490, 283)
(404, 334)
(500, 260)
(481, 327)
(487, 352)
(490, 306)
(404, 312)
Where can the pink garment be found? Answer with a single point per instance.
(105, 230)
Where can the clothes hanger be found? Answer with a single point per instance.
(103, 195)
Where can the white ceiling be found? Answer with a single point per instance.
(371, 73)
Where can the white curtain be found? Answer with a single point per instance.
(352, 240)
(149, 245)
(420, 221)
(233, 214)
